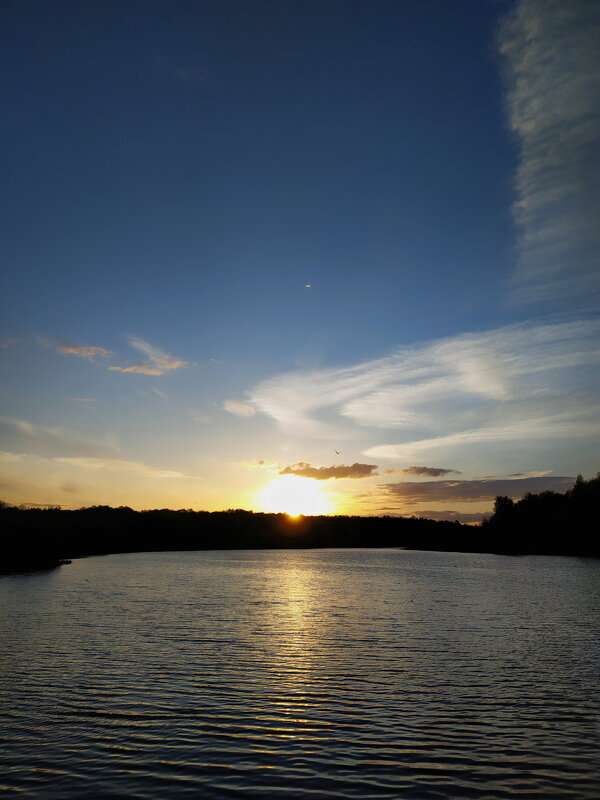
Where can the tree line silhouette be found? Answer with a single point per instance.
(546, 523)
(549, 522)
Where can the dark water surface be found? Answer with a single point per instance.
(304, 674)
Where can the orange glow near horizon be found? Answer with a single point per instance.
(294, 496)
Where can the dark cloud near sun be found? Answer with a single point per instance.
(474, 491)
(305, 470)
(429, 472)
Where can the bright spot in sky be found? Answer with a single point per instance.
(292, 495)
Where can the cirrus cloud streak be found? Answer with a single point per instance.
(66, 347)
(554, 109)
(157, 362)
(520, 382)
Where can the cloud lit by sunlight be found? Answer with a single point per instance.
(516, 382)
(66, 347)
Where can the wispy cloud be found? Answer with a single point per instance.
(156, 356)
(157, 362)
(551, 51)
(429, 472)
(305, 470)
(410, 492)
(55, 440)
(85, 400)
(238, 408)
(141, 368)
(518, 382)
(82, 480)
(122, 465)
(200, 416)
(560, 420)
(66, 347)
(6, 343)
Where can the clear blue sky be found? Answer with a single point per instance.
(245, 232)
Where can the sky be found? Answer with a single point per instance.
(313, 256)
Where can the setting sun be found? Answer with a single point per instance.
(294, 496)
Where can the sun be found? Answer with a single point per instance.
(294, 496)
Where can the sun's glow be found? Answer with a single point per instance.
(292, 495)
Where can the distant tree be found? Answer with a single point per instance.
(548, 522)
(503, 507)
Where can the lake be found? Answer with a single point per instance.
(302, 674)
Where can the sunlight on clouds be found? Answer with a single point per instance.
(141, 368)
(31, 437)
(474, 491)
(561, 424)
(73, 482)
(156, 356)
(239, 409)
(65, 347)
(121, 465)
(339, 471)
(157, 362)
(517, 382)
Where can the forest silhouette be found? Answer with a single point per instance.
(547, 523)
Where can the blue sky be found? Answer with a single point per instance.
(241, 236)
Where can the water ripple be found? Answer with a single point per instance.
(299, 674)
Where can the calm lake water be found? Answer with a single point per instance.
(302, 674)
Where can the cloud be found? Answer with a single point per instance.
(431, 472)
(83, 399)
(473, 491)
(305, 470)
(553, 103)
(200, 416)
(239, 409)
(550, 420)
(54, 440)
(76, 481)
(141, 368)
(159, 358)
(157, 362)
(66, 347)
(516, 382)
(121, 465)
(6, 343)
